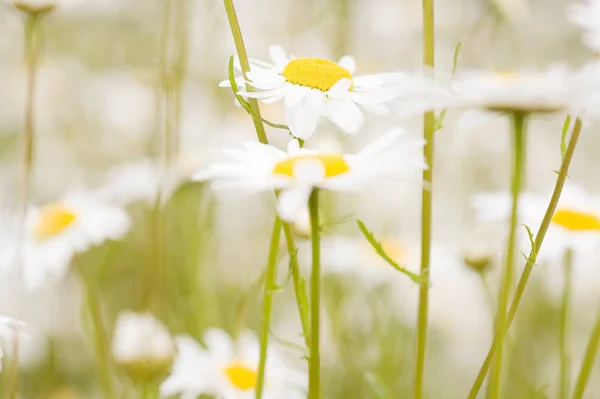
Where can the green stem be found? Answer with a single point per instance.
(565, 361)
(241, 50)
(100, 334)
(508, 273)
(426, 212)
(267, 305)
(314, 369)
(532, 258)
(298, 283)
(588, 361)
(13, 384)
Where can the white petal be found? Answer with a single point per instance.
(348, 62)
(345, 114)
(303, 117)
(292, 201)
(382, 144)
(293, 147)
(295, 94)
(340, 88)
(309, 171)
(474, 119)
(278, 56)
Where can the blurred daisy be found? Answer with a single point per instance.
(311, 87)
(586, 15)
(57, 231)
(8, 328)
(575, 224)
(142, 345)
(132, 182)
(298, 171)
(227, 369)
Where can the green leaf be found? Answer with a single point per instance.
(234, 87)
(563, 137)
(439, 121)
(303, 301)
(381, 252)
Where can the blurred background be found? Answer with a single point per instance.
(116, 76)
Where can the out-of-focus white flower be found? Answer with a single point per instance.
(228, 369)
(8, 328)
(575, 224)
(298, 171)
(586, 15)
(512, 10)
(132, 182)
(311, 87)
(36, 6)
(142, 345)
(57, 231)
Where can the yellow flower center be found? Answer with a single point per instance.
(241, 376)
(315, 73)
(333, 164)
(575, 220)
(53, 220)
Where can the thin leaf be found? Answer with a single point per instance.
(303, 305)
(439, 121)
(381, 252)
(234, 87)
(563, 137)
(286, 343)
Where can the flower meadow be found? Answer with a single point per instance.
(320, 199)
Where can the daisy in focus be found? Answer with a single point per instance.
(311, 87)
(8, 328)
(297, 171)
(55, 232)
(586, 15)
(574, 226)
(228, 369)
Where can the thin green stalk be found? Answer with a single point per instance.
(314, 366)
(588, 361)
(299, 287)
(241, 50)
(268, 305)
(426, 206)
(532, 258)
(565, 361)
(99, 333)
(518, 167)
(13, 383)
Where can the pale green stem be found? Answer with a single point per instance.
(426, 208)
(565, 361)
(267, 305)
(588, 361)
(243, 56)
(100, 335)
(532, 258)
(518, 167)
(314, 369)
(13, 384)
(262, 137)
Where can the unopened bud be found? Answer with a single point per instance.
(36, 6)
(478, 259)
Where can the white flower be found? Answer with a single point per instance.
(8, 328)
(142, 345)
(228, 369)
(575, 224)
(132, 182)
(555, 89)
(311, 87)
(298, 171)
(587, 17)
(57, 231)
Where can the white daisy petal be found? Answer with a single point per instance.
(291, 201)
(348, 62)
(278, 56)
(340, 89)
(345, 114)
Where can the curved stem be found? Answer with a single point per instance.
(241, 50)
(507, 277)
(565, 362)
(532, 258)
(426, 205)
(100, 334)
(588, 361)
(314, 369)
(267, 305)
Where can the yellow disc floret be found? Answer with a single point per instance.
(241, 376)
(576, 220)
(332, 164)
(53, 220)
(315, 73)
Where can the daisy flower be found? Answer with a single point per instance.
(55, 232)
(142, 345)
(8, 328)
(586, 15)
(228, 369)
(575, 224)
(311, 87)
(298, 171)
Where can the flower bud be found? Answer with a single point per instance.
(36, 6)
(142, 346)
(477, 258)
